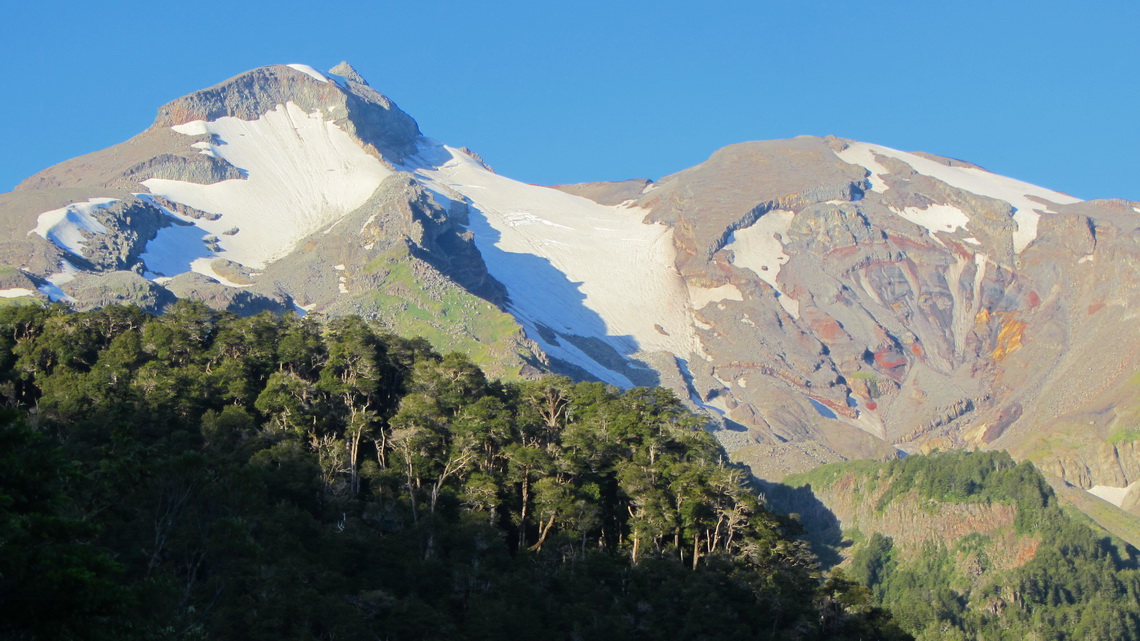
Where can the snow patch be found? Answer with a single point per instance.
(193, 128)
(16, 292)
(342, 280)
(759, 248)
(368, 222)
(702, 296)
(65, 227)
(205, 149)
(53, 287)
(972, 240)
(863, 155)
(936, 218)
(303, 173)
(1019, 194)
(309, 71)
(1114, 495)
(205, 267)
(1085, 259)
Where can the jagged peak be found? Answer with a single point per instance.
(343, 95)
(347, 72)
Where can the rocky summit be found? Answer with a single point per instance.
(821, 299)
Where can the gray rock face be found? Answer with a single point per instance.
(239, 301)
(348, 72)
(96, 290)
(204, 170)
(359, 109)
(130, 224)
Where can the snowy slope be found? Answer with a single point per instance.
(303, 174)
(1024, 197)
(570, 264)
(69, 226)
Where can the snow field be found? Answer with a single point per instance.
(303, 173)
(571, 264)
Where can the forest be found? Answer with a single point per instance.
(1077, 583)
(198, 475)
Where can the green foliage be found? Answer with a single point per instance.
(203, 476)
(447, 316)
(1076, 585)
(55, 580)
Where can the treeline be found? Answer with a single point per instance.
(1078, 584)
(203, 476)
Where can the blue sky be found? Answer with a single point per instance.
(1047, 92)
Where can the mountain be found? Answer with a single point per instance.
(824, 299)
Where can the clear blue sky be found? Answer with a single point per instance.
(1044, 91)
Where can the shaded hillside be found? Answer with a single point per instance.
(203, 476)
(969, 545)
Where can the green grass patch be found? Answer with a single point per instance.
(20, 301)
(446, 315)
(1124, 435)
(974, 542)
(827, 474)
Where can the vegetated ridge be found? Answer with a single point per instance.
(969, 545)
(199, 475)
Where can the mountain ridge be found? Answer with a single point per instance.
(822, 298)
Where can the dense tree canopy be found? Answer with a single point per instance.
(203, 476)
(1076, 583)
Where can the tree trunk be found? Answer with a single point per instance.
(715, 540)
(522, 517)
(542, 537)
(353, 456)
(411, 490)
